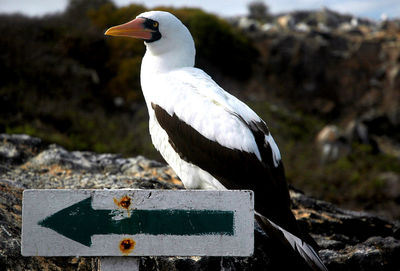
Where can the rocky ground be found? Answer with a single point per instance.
(349, 240)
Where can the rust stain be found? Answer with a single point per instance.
(317, 217)
(57, 170)
(176, 181)
(127, 245)
(124, 202)
(299, 214)
(27, 165)
(174, 178)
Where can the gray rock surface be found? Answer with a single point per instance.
(349, 240)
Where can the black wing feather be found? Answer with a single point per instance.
(235, 169)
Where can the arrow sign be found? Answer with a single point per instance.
(80, 221)
(129, 222)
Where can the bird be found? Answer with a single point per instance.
(210, 138)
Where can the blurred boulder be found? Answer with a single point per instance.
(302, 27)
(357, 132)
(331, 143)
(392, 185)
(384, 129)
(248, 24)
(286, 21)
(17, 148)
(334, 142)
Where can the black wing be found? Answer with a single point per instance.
(235, 169)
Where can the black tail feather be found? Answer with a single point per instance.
(288, 250)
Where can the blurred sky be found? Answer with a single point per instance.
(365, 8)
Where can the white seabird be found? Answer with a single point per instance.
(211, 139)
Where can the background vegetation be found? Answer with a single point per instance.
(64, 81)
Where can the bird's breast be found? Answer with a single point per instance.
(191, 175)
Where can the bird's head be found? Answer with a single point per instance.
(161, 31)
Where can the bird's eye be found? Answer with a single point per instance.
(155, 24)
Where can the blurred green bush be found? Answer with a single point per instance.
(61, 75)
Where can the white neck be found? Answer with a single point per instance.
(152, 64)
(157, 62)
(169, 54)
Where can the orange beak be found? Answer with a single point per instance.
(133, 29)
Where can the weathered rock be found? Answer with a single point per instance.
(331, 143)
(18, 148)
(349, 240)
(373, 128)
(376, 253)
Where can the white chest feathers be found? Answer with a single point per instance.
(191, 175)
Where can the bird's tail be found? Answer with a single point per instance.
(291, 245)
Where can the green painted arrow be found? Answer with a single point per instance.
(80, 221)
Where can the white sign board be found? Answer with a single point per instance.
(58, 222)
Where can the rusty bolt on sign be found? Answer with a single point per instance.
(124, 202)
(127, 245)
